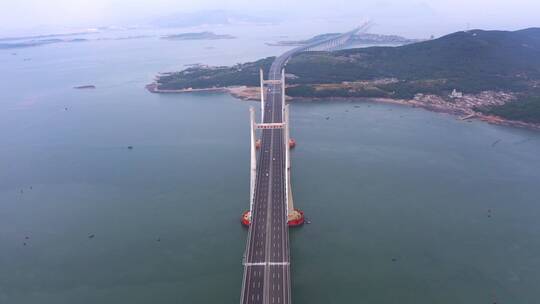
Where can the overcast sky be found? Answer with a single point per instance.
(411, 16)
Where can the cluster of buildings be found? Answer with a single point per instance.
(463, 104)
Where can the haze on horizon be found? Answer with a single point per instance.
(415, 18)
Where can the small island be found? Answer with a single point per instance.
(39, 42)
(492, 76)
(84, 87)
(197, 36)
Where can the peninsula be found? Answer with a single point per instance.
(490, 75)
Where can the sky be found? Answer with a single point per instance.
(411, 17)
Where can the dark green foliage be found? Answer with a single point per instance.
(310, 91)
(470, 61)
(301, 91)
(197, 77)
(527, 109)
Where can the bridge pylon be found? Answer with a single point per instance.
(246, 216)
(295, 217)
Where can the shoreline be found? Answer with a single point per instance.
(253, 94)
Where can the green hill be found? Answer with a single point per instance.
(207, 77)
(470, 62)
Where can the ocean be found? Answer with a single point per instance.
(406, 205)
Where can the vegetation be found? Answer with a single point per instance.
(470, 62)
(526, 109)
(208, 77)
(312, 91)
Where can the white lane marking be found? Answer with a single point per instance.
(267, 264)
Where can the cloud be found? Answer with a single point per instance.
(439, 15)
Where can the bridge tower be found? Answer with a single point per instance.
(295, 217)
(246, 216)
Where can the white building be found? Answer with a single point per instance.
(456, 94)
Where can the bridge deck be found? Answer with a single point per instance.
(266, 270)
(267, 277)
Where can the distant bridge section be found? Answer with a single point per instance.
(326, 45)
(335, 43)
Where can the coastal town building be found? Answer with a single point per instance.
(456, 94)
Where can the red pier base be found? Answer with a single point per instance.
(297, 220)
(292, 143)
(246, 218)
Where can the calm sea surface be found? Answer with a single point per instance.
(407, 206)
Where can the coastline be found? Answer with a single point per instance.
(253, 94)
(491, 119)
(153, 88)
